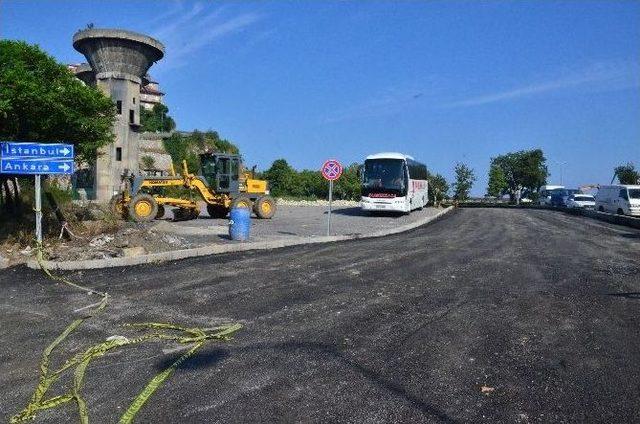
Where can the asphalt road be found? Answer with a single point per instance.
(539, 307)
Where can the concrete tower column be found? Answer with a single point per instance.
(119, 60)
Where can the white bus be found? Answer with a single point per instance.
(393, 182)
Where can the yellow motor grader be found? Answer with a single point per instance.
(224, 184)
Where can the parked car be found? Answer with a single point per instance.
(545, 193)
(581, 201)
(559, 197)
(620, 199)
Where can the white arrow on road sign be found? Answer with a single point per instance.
(65, 152)
(64, 167)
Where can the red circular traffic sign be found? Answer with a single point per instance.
(331, 170)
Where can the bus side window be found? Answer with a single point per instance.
(623, 194)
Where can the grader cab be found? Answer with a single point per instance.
(222, 185)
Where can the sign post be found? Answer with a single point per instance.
(27, 158)
(331, 171)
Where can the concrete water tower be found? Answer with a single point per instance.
(119, 59)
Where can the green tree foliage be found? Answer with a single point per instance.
(525, 169)
(438, 188)
(157, 119)
(348, 185)
(627, 174)
(464, 181)
(40, 100)
(189, 146)
(285, 181)
(497, 182)
(148, 162)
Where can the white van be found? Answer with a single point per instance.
(544, 194)
(620, 199)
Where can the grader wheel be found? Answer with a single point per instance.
(143, 208)
(117, 206)
(217, 211)
(265, 207)
(185, 214)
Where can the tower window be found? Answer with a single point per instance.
(132, 115)
(134, 100)
(119, 107)
(119, 154)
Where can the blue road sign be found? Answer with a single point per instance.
(36, 166)
(19, 150)
(36, 158)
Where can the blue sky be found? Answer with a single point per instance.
(445, 81)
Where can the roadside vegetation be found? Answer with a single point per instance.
(40, 100)
(627, 174)
(187, 146)
(157, 119)
(465, 178)
(525, 171)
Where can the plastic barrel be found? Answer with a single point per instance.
(239, 223)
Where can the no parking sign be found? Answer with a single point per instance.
(331, 171)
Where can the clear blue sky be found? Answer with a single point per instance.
(445, 81)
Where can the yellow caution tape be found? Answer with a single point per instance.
(80, 361)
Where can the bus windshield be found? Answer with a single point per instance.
(384, 176)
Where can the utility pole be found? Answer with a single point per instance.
(562, 164)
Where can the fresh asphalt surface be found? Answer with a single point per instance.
(540, 306)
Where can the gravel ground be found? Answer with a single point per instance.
(291, 221)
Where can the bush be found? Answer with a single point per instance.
(284, 181)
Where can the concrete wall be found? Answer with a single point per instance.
(108, 168)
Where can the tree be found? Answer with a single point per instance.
(286, 181)
(283, 179)
(497, 182)
(189, 146)
(627, 174)
(348, 185)
(525, 169)
(148, 162)
(438, 188)
(464, 181)
(40, 100)
(156, 119)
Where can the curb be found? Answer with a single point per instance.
(627, 221)
(223, 248)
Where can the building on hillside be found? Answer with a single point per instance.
(150, 94)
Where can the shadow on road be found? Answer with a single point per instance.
(293, 349)
(359, 212)
(200, 360)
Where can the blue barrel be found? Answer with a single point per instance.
(239, 223)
